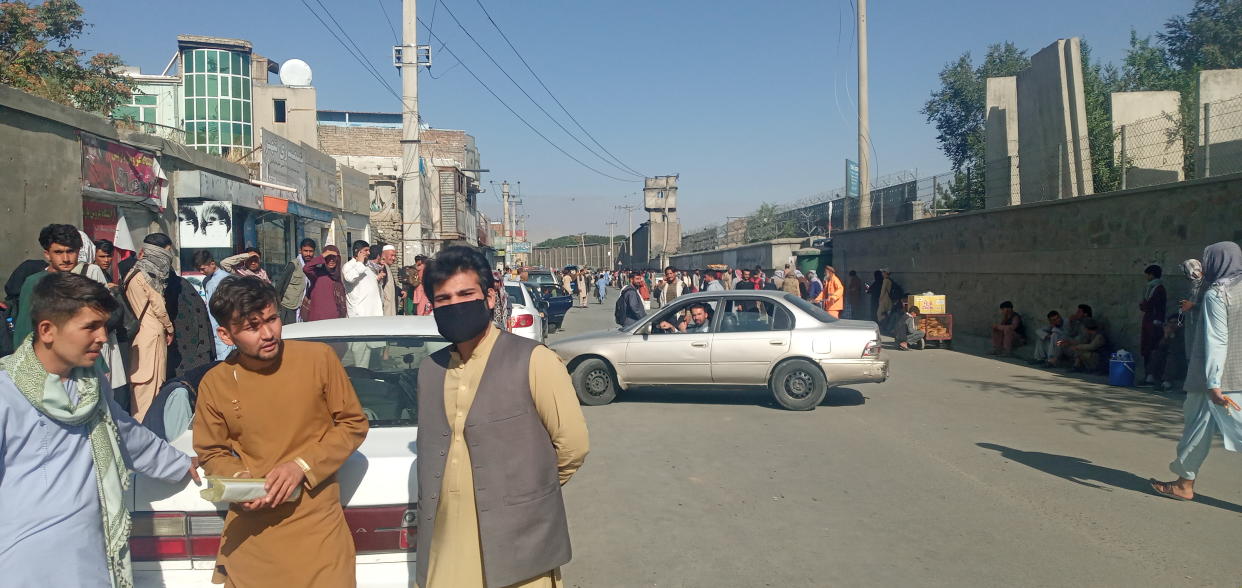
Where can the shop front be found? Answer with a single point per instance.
(213, 214)
(124, 194)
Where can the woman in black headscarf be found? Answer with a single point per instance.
(873, 292)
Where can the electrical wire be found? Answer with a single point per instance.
(476, 77)
(360, 60)
(550, 94)
(395, 37)
(348, 37)
(527, 94)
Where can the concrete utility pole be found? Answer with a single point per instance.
(629, 221)
(612, 228)
(864, 126)
(504, 194)
(582, 247)
(411, 185)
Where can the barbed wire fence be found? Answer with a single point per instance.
(1153, 151)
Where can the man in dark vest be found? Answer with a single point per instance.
(494, 450)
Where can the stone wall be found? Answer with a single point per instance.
(1220, 137)
(360, 141)
(1053, 255)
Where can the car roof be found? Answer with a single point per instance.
(776, 294)
(378, 326)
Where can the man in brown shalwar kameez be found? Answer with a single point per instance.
(284, 411)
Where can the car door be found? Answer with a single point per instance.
(753, 333)
(658, 359)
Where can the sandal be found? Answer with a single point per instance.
(1165, 489)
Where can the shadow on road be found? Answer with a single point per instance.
(1083, 472)
(732, 396)
(1085, 405)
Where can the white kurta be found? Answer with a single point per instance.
(362, 290)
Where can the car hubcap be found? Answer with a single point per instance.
(799, 385)
(597, 382)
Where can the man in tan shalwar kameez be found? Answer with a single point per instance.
(284, 411)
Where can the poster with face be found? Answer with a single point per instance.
(205, 224)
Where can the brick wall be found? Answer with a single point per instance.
(337, 140)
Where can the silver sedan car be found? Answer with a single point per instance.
(734, 338)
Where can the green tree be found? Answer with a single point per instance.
(36, 56)
(1209, 37)
(573, 240)
(1099, 81)
(957, 108)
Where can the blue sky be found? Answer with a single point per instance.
(750, 102)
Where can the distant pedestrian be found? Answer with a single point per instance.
(1213, 406)
(833, 296)
(630, 307)
(422, 305)
(601, 286)
(490, 495)
(583, 288)
(325, 298)
(873, 294)
(247, 263)
(212, 276)
(292, 285)
(1153, 307)
(362, 290)
(816, 286)
(711, 281)
(854, 296)
(68, 448)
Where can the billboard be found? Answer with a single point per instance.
(205, 224)
(851, 179)
(113, 167)
(284, 163)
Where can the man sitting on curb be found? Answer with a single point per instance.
(1048, 347)
(1087, 353)
(908, 332)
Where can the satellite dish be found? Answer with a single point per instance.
(295, 72)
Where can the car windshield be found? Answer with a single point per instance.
(384, 373)
(820, 314)
(542, 278)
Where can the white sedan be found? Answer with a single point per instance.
(526, 318)
(176, 533)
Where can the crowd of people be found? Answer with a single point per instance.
(81, 324)
(162, 329)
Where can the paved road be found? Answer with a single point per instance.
(959, 471)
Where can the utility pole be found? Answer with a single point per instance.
(864, 126)
(582, 247)
(504, 194)
(629, 220)
(612, 226)
(411, 184)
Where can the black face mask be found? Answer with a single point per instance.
(462, 321)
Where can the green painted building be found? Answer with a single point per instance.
(216, 90)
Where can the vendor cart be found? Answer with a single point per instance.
(939, 328)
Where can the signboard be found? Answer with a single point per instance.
(99, 220)
(322, 185)
(199, 184)
(851, 179)
(520, 247)
(284, 163)
(120, 169)
(355, 191)
(205, 224)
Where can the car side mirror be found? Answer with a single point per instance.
(646, 330)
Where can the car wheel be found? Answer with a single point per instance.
(594, 382)
(798, 385)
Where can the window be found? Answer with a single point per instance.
(278, 105)
(515, 294)
(682, 312)
(820, 314)
(750, 315)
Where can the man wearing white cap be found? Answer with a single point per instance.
(388, 281)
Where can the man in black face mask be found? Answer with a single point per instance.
(495, 449)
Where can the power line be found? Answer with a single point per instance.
(360, 60)
(476, 77)
(395, 36)
(528, 96)
(359, 50)
(550, 94)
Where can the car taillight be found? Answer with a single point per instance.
(383, 529)
(519, 321)
(157, 536)
(872, 349)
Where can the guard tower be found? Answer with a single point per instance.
(664, 230)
